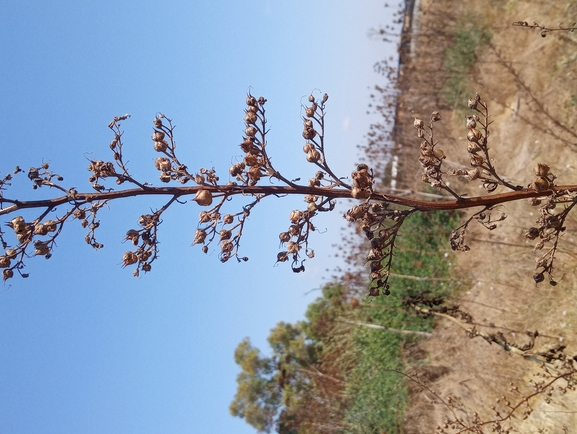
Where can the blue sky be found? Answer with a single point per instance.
(84, 346)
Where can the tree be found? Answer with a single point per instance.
(298, 388)
(378, 215)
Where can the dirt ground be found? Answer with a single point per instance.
(530, 83)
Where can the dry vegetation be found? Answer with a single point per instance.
(530, 84)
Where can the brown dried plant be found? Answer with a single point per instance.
(378, 215)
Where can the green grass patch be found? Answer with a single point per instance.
(459, 58)
(378, 395)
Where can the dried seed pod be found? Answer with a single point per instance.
(471, 122)
(309, 133)
(308, 147)
(250, 117)
(129, 258)
(418, 123)
(226, 246)
(203, 197)
(473, 148)
(228, 219)
(7, 274)
(532, 233)
(158, 136)
(199, 236)
(254, 175)
(11, 253)
(474, 135)
(284, 237)
(40, 229)
(296, 216)
(313, 156)
(204, 217)
(250, 131)
(435, 117)
(160, 146)
(541, 170)
(225, 234)
(473, 174)
(437, 152)
(163, 164)
(251, 160)
(282, 257)
(540, 184)
(41, 248)
(538, 277)
(157, 122)
(472, 103)
(4, 261)
(292, 247)
(477, 160)
(310, 111)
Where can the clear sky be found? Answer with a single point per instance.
(84, 346)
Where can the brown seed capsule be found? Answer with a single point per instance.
(4, 261)
(282, 257)
(473, 174)
(158, 136)
(41, 248)
(308, 147)
(313, 156)
(11, 253)
(477, 160)
(129, 258)
(284, 237)
(439, 153)
(418, 123)
(474, 135)
(7, 274)
(250, 131)
(157, 122)
(292, 247)
(471, 123)
(160, 146)
(203, 197)
(309, 133)
(225, 234)
(228, 219)
(473, 148)
(296, 216)
(540, 184)
(199, 236)
(532, 233)
(226, 246)
(310, 111)
(162, 164)
(250, 117)
(541, 169)
(254, 174)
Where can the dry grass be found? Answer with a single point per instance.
(528, 128)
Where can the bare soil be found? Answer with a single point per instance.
(530, 83)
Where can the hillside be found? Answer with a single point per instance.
(529, 82)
